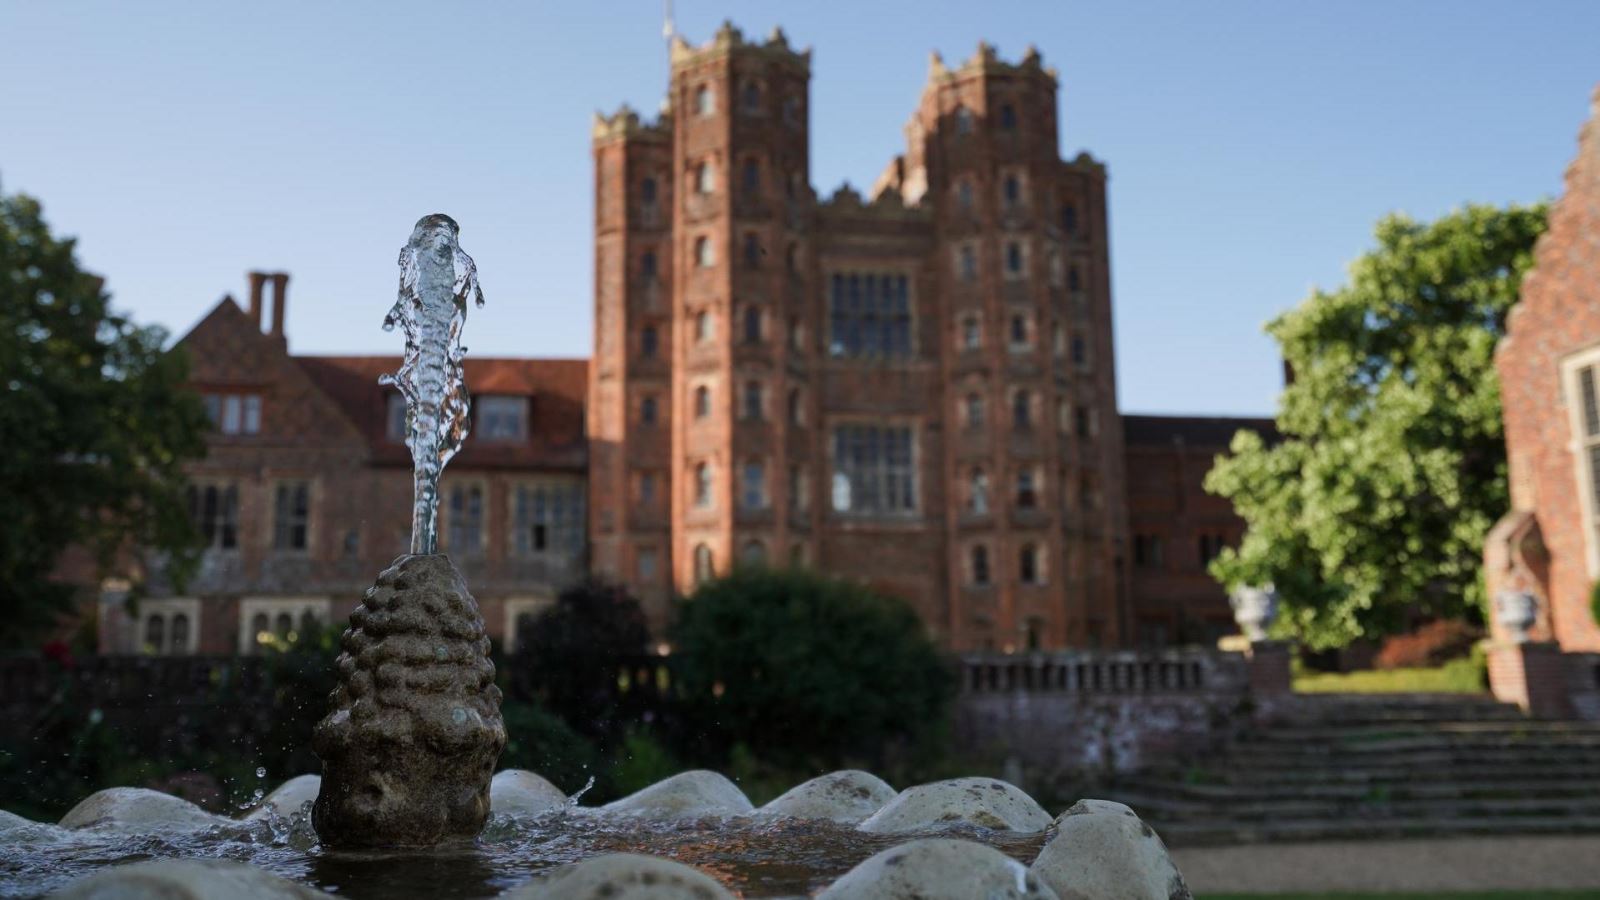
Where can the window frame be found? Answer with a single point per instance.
(1584, 444)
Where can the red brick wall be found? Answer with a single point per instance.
(1557, 315)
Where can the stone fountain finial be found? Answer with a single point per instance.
(410, 744)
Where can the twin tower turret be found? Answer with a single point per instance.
(885, 387)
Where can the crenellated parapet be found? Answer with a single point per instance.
(627, 123)
(986, 61)
(730, 39)
(1087, 164)
(886, 203)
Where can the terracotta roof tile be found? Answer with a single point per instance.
(557, 389)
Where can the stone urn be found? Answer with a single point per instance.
(1255, 609)
(1515, 612)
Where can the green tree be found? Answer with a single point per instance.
(1391, 465)
(569, 656)
(95, 423)
(805, 670)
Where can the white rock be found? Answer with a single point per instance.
(847, 797)
(287, 799)
(985, 802)
(186, 879)
(622, 876)
(687, 795)
(139, 810)
(1089, 805)
(518, 792)
(14, 829)
(939, 869)
(1105, 852)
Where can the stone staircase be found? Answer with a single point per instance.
(1365, 766)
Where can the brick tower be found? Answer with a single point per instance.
(914, 389)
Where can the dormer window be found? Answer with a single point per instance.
(234, 413)
(502, 418)
(395, 428)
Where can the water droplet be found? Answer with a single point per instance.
(261, 771)
(458, 715)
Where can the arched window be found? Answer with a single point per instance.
(1013, 190)
(705, 177)
(750, 178)
(705, 253)
(1027, 488)
(649, 341)
(754, 401)
(260, 626)
(704, 568)
(155, 633)
(1028, 564)
(1019, 329)
(751, 97)
(649, 410)
(647, 265)
(1008, 117)
(980, 565)
(753, 486)
(752, 324)
(1014, 257)
(180, 633)
(702, 485)
(971, 333)
(705, 100)
(705, 327)
(796, 409)
(978, 492)
(647, 191)
(308, 622)
(752, 250)
(969, 263)
(283, 624)
(1069, 218)
(702, 402)
(753, 554)
(1022, 410)
(974, 410)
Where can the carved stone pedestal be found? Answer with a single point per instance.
(414, 730)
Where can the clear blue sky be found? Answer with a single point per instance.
(1251, 145)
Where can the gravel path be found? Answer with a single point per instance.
(1445, 864)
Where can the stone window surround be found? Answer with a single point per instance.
(168, 608)
(1586, 478)
(313, 494)
(320, 609)
(883, 424)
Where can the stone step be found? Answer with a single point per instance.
(1225, 773)
(1395, 790)
(1371, 809)
(1230, 832)
(1417, 752)
(1355, 734)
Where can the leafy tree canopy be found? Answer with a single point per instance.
(1392, 464)
(568, 657)
(804, 669)
(95, 422)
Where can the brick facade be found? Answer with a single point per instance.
(1548, 543)
(915, 388)
(1175, 527)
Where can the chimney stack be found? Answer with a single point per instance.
(256, 280)
(280, 300)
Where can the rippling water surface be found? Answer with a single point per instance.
(787, 858)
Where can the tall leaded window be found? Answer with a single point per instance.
(649, 410)
(291, 515)
(754, 401)
(870, 315)
(753, 485)
(752, 324)
(548, 517)
(234, 413)
(874, 470)
(649, 341)
(980, 565)
(214, 509)
(1069, 218)
(464, 531)
(702, 485)
(1584, 401)
(647, 190)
